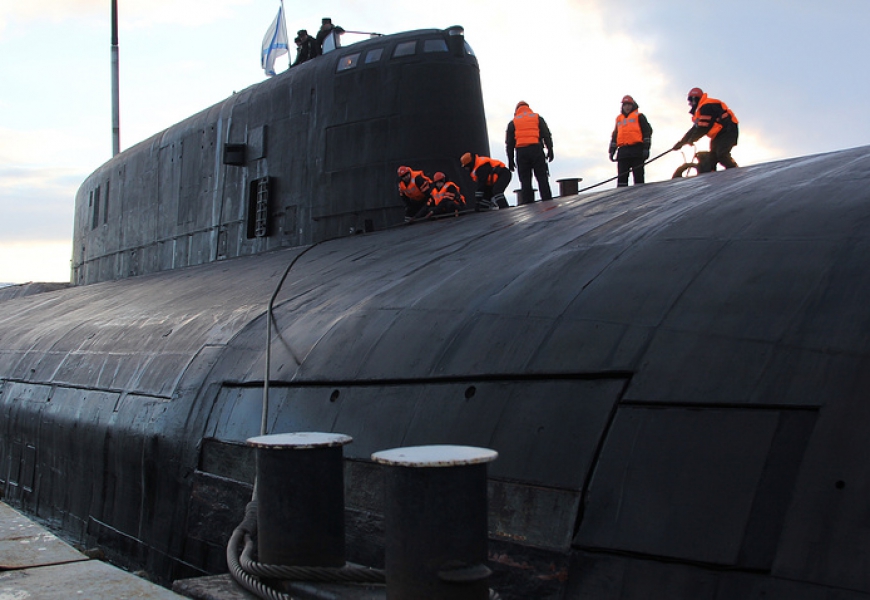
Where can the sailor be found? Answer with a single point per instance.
(414, 190)
(444, 198)
(630, 142)
(306, 47)
(328, 36)
(714, 119)
(492, 178)
(528, 133)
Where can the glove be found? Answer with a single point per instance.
(511, 165)
(646, 153)
(549, 155)
(678, 145)
(612, 152)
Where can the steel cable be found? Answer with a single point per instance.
(245, 571)
(349, 573)
(623, 173)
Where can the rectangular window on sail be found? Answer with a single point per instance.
(405, 49)
(347, 62)
(106, 205)
(374, 55)
(438, 45)
(96, 216)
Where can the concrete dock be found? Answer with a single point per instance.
(36, 564)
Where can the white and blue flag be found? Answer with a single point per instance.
(274, 43)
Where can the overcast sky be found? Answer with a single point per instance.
(795, 73)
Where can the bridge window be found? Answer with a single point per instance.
(405, 49)
(436, 45)
(374, 55)
(347, 62)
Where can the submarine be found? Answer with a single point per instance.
(675, 376)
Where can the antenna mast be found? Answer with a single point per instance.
(116, 121)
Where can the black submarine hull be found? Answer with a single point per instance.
(675, 377)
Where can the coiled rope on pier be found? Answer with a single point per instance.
(247, 571)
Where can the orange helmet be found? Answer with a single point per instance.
(404, 171)
(695, 93)
(628, 99)
(439, 176)
(466, 159)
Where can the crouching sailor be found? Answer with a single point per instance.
(414, 190)
(492, 178)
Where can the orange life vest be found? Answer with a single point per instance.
(527, 129)
(704, 120)
(411, 190)
(628, 130)
(448, 191)
(485, 160)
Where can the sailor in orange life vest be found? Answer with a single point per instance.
(528, 133)
(492, 178)
(630, 142)
(414, 190)
(444, 198)
(714, 119)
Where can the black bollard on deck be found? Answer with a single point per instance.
(300, 499)
(569, 186)
(436, 522)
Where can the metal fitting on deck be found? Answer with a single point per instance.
(300, 495)
(436, 522)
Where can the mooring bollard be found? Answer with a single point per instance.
(300, 499)
(569, 186)
(519, 195)
(436, 522)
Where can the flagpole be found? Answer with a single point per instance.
(116, 120)
(284, 13)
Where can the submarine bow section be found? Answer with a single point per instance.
(674, 375)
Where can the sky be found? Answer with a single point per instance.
(794, 73)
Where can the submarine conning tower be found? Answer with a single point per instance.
(307, 155)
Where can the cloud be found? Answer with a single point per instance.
(70, 150)
(56, 10)
(148, 13)
(37, 193)
(37, 203)
(140, 13)
(37, 260)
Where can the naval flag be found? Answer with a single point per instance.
(274, 43)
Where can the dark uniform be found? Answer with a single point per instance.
(306, 49)
(414, 189)
(327, 29)
(528, 133)
(714, 119)
(492, 178)
(630, 141)
(444, 198)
